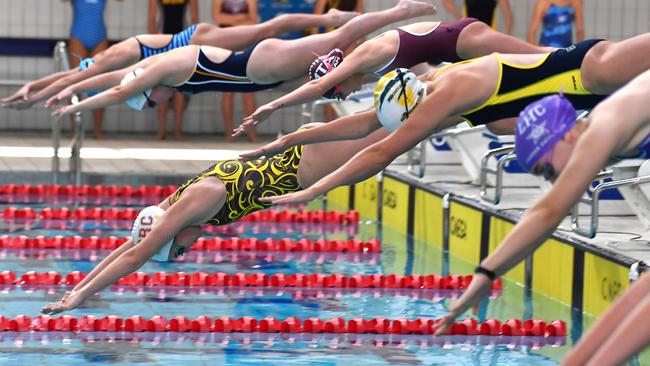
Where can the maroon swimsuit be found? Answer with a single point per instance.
(436, 46)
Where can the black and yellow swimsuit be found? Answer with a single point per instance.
(519, 85)
(246, 181)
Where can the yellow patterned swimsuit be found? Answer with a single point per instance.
(246, 181)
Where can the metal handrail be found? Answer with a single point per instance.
(421, 158)
(61, 58)
(594, 199)
(498, 172)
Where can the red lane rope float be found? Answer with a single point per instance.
(87, 190)
(201, 245)
(97, 213)
(224, 324)
(220, 279)
(95, 255)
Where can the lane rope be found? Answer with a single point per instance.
(258, 280)
(201, 244)
(224, 324)
(130, 214)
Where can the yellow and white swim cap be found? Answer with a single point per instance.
(396, 96)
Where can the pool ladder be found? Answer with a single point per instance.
(61, 61)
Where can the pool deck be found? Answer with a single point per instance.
(26, 158)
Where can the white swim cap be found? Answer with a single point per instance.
(143, 224)
(137, 101)
(396, 96)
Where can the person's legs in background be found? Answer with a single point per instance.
(180, 101)
(249, 108)
(227, 107)
(161, 113)
(98, 114)
(227, 112)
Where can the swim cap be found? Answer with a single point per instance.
(86, 63)
(146, 220)
(396, 95)
(137, 101)
(83, 65)
(540, 126)
(322, 65)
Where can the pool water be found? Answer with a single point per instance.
(398, 256)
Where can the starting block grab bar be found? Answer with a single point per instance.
(592, 202)
(498, 172)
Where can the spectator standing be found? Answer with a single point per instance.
(483, 10)
(227, 13)
(557, 18)
(88, 38)
(173, 21)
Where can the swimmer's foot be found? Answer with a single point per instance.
(416, 8)
(179, 136)
(338, 17)
(161, 136)
(99, 135)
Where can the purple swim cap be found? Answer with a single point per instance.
(540, 126)
(323, 65)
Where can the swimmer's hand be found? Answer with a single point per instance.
(258, 116)
(477, 290)
(18, 99)
(60, 111)
(303, 196)
(57, 99)
(267, 150)
(69, 301)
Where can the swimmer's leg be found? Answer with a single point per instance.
(478, 39)
(243, 36)
(297, 55)
(610, 65)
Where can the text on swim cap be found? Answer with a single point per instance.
(145, 221)
(529, 116)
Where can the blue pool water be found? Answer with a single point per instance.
(398, 256)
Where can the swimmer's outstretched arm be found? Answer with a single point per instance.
(67, 81)
(99, 82)
(152, 76)
(176, 218)
(620, 332)
(629, 108)
(23, 99)
(445, 101)
(345, 128)
(357, 63)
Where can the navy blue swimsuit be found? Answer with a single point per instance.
(226, 76)
(642, 151)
